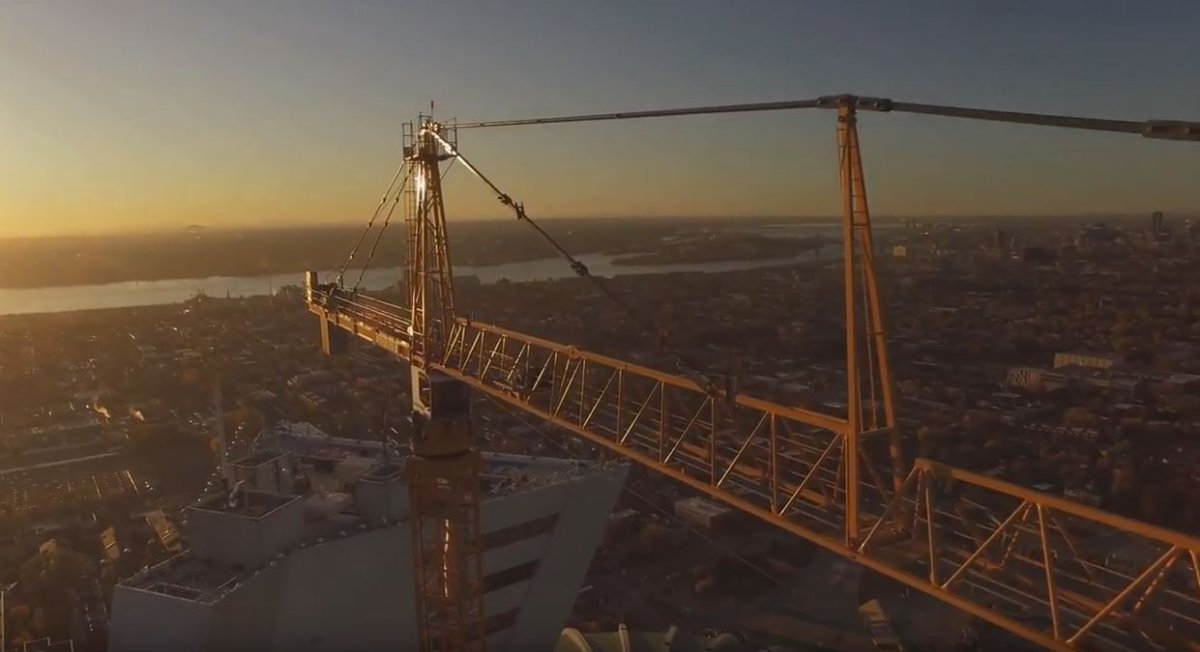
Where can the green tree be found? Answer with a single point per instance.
(50, 580)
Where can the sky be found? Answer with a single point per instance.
(152, 115)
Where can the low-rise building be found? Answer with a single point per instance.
(702, 513)
(1085, 359)
(1037, 378)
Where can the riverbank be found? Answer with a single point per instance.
(723, 247)
(149, 293)
(31, 263)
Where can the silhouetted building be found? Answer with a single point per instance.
(1098, 237)
(702, 513)
(1085, 359)
(1036, 378)
(1039, 255)
(1003, 242)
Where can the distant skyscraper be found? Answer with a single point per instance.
(1003, 241)
(1157, 222)
(1039, 255)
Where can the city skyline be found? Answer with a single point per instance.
(153, 116)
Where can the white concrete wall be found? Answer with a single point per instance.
(142, 621)
(244, 620)
(344, 595)
(238, 539)
(380, 498)
(512, 509)
(551, 593)
(348, 595)
(227, 538)
(281, 530)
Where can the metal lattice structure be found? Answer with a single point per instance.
(447, 562)
(443, 472)
(1022, 560)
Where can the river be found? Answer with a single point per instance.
(149, 293)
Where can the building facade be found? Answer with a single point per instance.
(275, 571)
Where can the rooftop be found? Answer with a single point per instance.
(254, 504)
(507, 473)
(188, 577)
(46, 645)
(258, 457)
(502, 472)
(307, 440)
(383, 471)
(702, 506)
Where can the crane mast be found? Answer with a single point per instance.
(443, 470)
(965, 539)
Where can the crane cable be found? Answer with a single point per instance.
(379, 236)
(686, 365)
(387, 220)
(370, 224)
(1180, 130)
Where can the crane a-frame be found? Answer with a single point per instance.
(1017, 558)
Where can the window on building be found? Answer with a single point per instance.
(501, 621)
(509, 576)
(519, 532)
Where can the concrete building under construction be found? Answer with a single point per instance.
(331, 569)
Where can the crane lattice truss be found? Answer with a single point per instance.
(1033, 564)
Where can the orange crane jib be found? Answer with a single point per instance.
(1022, 560)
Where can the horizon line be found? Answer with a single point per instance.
(254, 227)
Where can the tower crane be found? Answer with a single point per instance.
(1014, 557)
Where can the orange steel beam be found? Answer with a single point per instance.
(846, 143)
(1092, 599)
(1049, 568)
(1017, 513)
(1062, 505)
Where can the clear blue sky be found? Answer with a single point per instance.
(155, 114)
